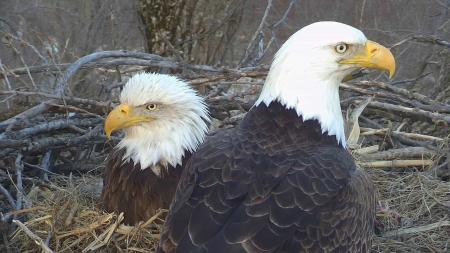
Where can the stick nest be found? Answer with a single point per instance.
(67, 216)
(412, 217)
(52, 155)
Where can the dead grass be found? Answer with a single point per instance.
(413, 216)
(66, 216)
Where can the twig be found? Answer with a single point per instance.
(367, 150)
(33, 236)
(408, 152)
(69, 99)
(371, 131)
(24, 64)
(71, 214)
(7, 100)
(5, 75)
(6, 81)
(410, 101)
(435, 117)
(285, 15)
(55, 142)
(396, 163)
(404, 92)
(29, 113)
(165, 63)
(74, 67)
(419, 229)
(8, 196)
(6, 243)
(7, 143)
(75, 109)
(257, 34)
(49, 237)
(431, 39)
(22, 41)
(19, 168)
(413, 80)
(45, 164)
(50, 126)
(272, 28)
(33, 166)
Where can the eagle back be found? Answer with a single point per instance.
(272, 184)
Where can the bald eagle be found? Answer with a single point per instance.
(164, 121)
(282, 180)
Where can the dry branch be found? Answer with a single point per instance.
(50, 126)
(27, 114)
(408, 94)
(367, 150)
(257, 36)
(370, 131)
(401, 153)
(8, 196)
(33, 236)
(435, 117)
(67, 99)
(441, 108)
(159, 62)
(396, 163)
(19, 181)
(420, 229)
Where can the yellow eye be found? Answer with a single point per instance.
(151, 107)
(341, 48)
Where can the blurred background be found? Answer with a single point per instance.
(52, 106)
(226, 32)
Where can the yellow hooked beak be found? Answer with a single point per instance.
(122, 116)
(374, 56)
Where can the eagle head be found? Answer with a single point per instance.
(162, 117)
(307, 70)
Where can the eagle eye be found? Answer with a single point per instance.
(341, 48)
(151, 107)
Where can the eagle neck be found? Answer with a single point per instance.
(313, 96)
(276, 119)
(120, 161)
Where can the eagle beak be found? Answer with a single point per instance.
(374, 56)
(122, 116)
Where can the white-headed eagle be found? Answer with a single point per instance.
(282, 180)
(164, 121)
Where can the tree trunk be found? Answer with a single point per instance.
(196, 31)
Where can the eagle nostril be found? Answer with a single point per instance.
(373, 51)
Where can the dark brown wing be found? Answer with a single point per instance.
(135, 192)
(232, 200)
(270, 186)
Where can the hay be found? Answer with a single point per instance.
(399, 133)
(413, 217)
(414, 212)
(67, 217)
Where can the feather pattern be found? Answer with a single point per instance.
(142, 172)
(275, 183)
(135, 192)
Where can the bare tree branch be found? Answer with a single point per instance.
(8, 196)
(258, 34)
(33, 236)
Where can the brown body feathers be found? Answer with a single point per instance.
(135, 192)
(272, 184)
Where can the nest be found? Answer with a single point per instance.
(401, 140)
(413, 211)
(66, 216)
